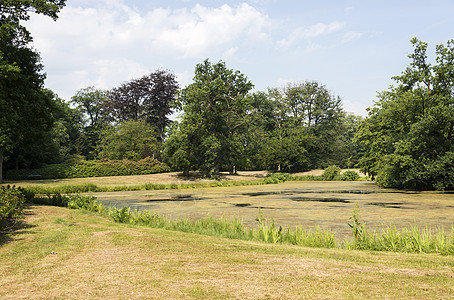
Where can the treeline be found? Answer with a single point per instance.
(223, 126)
(405, 142)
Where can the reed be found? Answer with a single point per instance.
(413, 239)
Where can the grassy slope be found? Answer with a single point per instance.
(64, 253)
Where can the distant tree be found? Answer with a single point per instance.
(67, 130)
(90, 104)
(349, 150)
(24, 105)
(214, 107)
(408, 134)
(133, 140)
(148, 98)
(300, 127)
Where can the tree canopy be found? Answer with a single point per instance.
(214, 107)
(147, 98)
(408, 135)
(25, 108)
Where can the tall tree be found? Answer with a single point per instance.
(214, 107)
(24, 106)
(408, 134)
(90, 104)
(307, 132)
(147, 98)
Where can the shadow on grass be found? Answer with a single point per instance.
(14, 232)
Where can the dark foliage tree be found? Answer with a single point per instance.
(148, 98)
(408, 134)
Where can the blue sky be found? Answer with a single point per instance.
(352, 47)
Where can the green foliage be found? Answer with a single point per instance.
(25, 108)
(122, 215)
(90, 105)
(331, 172)
(277, 178)
(408, 135)
(85, 202)
(11, 206)
(348, 176)
(413, 239)
(132, 140)
(215, 107)
(93, 168)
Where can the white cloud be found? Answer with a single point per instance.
(194, 33)
(310, 33)
(351, 35)
(230, 52)
(112, 42)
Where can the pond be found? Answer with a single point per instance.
(291, 204)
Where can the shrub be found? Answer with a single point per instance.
(11, 206)
(277, 178)
(331, 172)
(349, 176)
(92, 168)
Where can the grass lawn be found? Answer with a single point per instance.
(63, 253)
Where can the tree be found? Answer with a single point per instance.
(133, 140)
(301, 127)
(408, 134)
(214, 107)
(46, 144)
(24, 106)
(148, 98)
(67, 130)
(90, 104)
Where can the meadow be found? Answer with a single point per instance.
(62, 253)
(66, 253)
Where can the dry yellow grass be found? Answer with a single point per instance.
(161, 178)
(66, 254)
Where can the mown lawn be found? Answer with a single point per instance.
(63, 253)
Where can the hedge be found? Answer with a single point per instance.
(92, 168)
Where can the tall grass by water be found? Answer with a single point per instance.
(413, 239)
(93, 188)
(273, 178)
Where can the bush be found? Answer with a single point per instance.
(92, 168)
(349, 176)
(331, 172)
(277, 178)
(11, 206)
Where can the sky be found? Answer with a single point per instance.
(354, 48)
